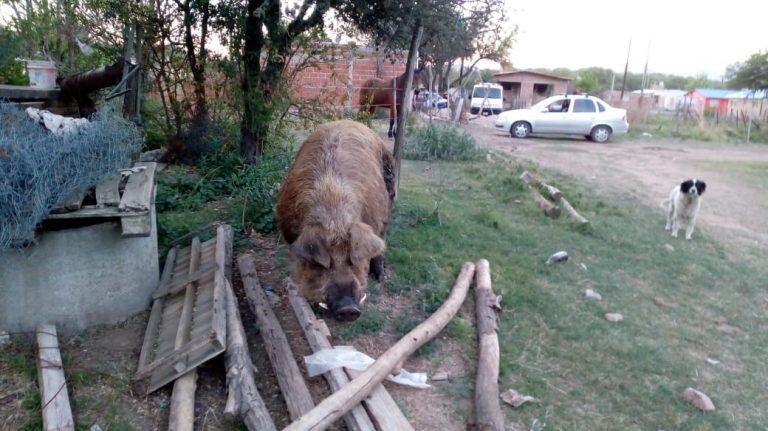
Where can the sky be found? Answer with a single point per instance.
(686, 37)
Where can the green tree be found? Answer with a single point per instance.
(11, 71)
(752, 74)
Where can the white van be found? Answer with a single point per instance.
(487, 98)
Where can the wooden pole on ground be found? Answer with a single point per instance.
(333, 407)
(572, 211)
(381, 408)
(57, 414)
(243, 399)
(289, 376)
(487, 407)
(182, 415)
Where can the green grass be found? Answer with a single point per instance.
(588, 373)
(670, 127)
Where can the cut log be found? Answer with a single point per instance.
(550, 210)
(57, 414)
(289, 377)
(340, 402)
(487, 407)
(381, 408)
(182, 415)
(532, 180)
(243, 399)
(572, 211)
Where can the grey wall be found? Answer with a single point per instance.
(76, 278)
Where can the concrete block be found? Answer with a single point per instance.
(75, 278)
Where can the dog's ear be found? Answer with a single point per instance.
(686, 185)
(701, 186)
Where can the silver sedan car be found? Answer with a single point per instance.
(572, 114)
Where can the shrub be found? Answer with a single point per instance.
(441, 142)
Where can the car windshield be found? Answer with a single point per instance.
(489, 92)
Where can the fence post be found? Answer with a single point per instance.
(749, 126)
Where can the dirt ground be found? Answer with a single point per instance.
(734, 207)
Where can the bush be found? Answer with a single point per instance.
(441, 142)
(250, 190)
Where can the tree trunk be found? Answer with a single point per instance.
(251, 130)
(338, 403)
(197, 61)
(402, 116)
(487, 406)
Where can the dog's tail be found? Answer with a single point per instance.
(665, 203)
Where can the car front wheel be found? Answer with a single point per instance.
(601, 134)
(520, 129)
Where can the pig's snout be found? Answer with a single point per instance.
(346, 309)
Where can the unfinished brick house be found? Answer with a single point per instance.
(522, 88)
(335, 81)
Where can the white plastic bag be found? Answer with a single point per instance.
(346, 356)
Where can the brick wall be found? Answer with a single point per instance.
(337, 82)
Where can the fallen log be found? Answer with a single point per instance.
(550, 210)
(487, 407)
(333, 407)
(57, 413)
(182, 414)
(532, 180)
(382, 411)
(289, 378)
(243, 399)
(572, 211)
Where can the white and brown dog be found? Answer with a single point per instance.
(683, 206)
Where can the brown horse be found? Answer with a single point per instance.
(377, 92)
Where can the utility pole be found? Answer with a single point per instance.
(645, 73)
(626, 67)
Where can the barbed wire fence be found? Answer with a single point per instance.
(39, 170)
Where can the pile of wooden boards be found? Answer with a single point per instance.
(195, 317)
(550, 209)
(127, 195)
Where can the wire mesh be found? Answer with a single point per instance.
(39, 170)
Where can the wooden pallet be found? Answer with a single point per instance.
(132, 205)
(190, 297)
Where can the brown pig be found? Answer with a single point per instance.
(333, 210)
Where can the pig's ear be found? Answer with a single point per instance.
(364, 243)
(311, 246)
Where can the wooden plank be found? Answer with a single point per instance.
(23, 92)
(136, 226)
(107, 191)
(316, 335)
(180, 283)
(289, 377)
(139, 190)
(71, 203)
(182, 414)
(91, 211)
(57, 413)
(243, 399)
(223, 245)
(153, 325)
(341, 401)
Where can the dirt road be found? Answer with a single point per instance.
(734, 207)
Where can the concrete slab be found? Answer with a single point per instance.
(75, 278)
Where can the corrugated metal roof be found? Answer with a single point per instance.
(713, 93)
(747, 94)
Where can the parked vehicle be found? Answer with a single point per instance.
(427, 100)
(487, 98)
(573, 114)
